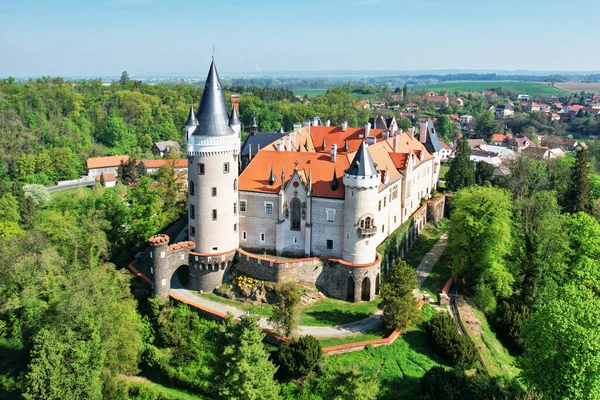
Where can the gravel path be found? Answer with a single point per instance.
(427, 263)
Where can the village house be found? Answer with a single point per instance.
(465, 119)
(505, 110)
(162, 149)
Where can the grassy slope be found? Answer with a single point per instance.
(398, 367)
(148, 389)
(370, 335)
(438, 277)
(524, 87)
(426, 240)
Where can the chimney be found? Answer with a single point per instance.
(297, 127)
(396, 144)
(235, 101)
(249, 152)
(367, 129)
(423, 132)
(333, 152)
(385, 135)
(371, 140)
(280, 145)
(328, 123)
(411, 132)
(315, 121)
(399, 132)
(306, 124)
(344, 126)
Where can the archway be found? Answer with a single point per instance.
(350, 289)
(181, 277)
(377, 284)
(366, 290)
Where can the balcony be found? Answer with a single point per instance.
(367, 231)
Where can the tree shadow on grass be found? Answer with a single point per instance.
(337, 317)
(400, 387)
(417, 341)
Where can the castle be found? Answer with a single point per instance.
(322, 198)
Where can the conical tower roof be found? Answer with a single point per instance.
(212, 115)
(362, 164)
(334, 182)
(233, 118)
(281, 129)
(191, 121)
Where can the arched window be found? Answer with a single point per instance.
(366, 223)
(191, 188)
(234, 185)
(296, 214)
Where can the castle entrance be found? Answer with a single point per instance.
(181, 277)
(366, 290)
(350, 289)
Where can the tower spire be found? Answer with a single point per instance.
(362, 164)
(272, 177)
(334, 182)
(212, 112)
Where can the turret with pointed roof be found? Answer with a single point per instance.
(362, 164)
(212, 115)
(191, 121)
(234, 121)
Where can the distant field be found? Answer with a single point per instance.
(530, 88)
(578, 86)
(311, 93)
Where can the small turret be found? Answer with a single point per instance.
(191, 123)
(272, 177)
(254, 127)
(346, 147)
(334, 182)
(281, 130)
(362, 164)
(234, 121)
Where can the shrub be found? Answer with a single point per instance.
(447, 342)
(439, 383)
(298, 358)
(508, 319)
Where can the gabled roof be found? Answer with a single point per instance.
(362, 163)
(260, 139)
(181, 163)
(212, 115)
(162, 146)
(105, 162)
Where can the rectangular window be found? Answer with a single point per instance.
(379, 205)
(214, 215)
(244, 235)
(268, 208)
(215, 248)
(213, 192)
(235, 227)
(200, 169)
(262, 237)
(192, 231)
(242, 206)
(225, 167)
(384, 201)
(192, 211)
(394, 219)
(330, 214)
(329, 244)
(234, 208)
(390, 199)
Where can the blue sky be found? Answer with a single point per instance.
(153, 37)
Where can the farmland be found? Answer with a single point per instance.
(312, 93)
(533, 89)
(579, 86)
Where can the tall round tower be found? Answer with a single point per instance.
(212, 149)
(361, 181)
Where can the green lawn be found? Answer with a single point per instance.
(443, 172)
(397, 367)
(79, 192)
(438, 276)
(530, 88)
(427, 239)
(326, 312)
(370, 335)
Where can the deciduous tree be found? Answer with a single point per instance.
(285, 310)
(397, 300)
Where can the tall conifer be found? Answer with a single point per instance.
(461, 173)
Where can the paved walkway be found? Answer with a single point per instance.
(364, 325)
(427, 263)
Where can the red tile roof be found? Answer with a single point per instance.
(105, 162)
(159, 163)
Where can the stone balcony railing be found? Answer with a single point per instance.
(368, 231)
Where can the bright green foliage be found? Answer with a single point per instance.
(397, 300)
(456, 349)
(285, 310)
(243, 369)
(578, 194)
(145, 211)
(479, 240)
(9, 216)
(485, 125)
(38, 193)
(562, 360)
(340, 383)
(65, 365)
(584, 241)
(188, 346)
(528, 176)
(299, 357)
(166, 177)
(444, 127)
(462, 172)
